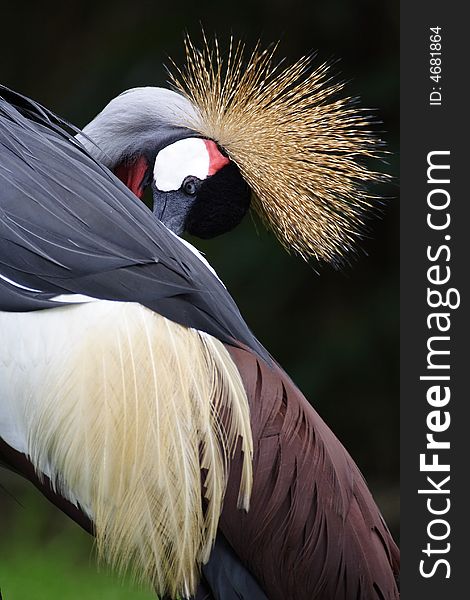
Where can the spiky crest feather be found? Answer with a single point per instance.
(299, 147)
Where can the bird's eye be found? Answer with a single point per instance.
(189, 186)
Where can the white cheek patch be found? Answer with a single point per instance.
(179, 160)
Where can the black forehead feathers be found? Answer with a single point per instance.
(222, 201)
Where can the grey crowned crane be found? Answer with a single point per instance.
(132, 392)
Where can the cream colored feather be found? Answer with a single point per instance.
(122, 410)
(299, 144)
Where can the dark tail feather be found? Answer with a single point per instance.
(226, 578)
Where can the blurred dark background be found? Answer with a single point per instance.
(335, 333)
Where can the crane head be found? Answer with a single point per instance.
(197, 189)
(141, 136)
(242, 127)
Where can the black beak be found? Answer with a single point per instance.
(172, 208)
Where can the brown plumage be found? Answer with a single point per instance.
(299, 145)
(313, 531)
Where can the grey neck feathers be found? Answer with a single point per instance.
(140, 120)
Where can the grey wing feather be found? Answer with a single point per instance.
(69, 226)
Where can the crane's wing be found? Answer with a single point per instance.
(71, 232)
(69, 227)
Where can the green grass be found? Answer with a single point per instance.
(45, 556)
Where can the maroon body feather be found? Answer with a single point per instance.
(313, 531)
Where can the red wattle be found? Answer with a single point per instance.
(132, 175)
(216, 159)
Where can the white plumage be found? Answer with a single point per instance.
(121, 407)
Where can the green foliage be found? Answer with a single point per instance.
(45, 556)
